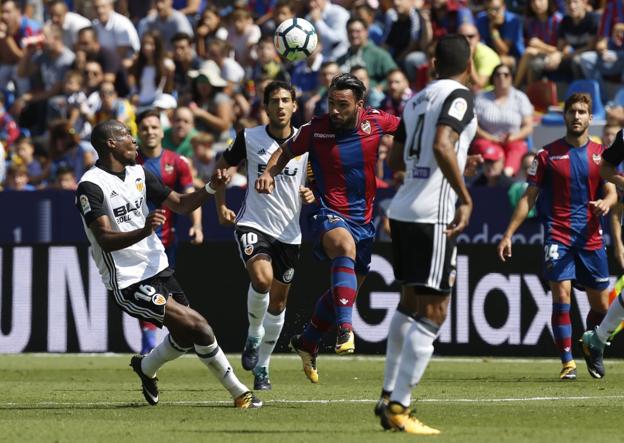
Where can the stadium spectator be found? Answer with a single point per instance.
(166, 21)
(9, 131)
(134, 9)
(45, 68)
(398, 92)
(220, 52)
(25, 155)
(373, 96)
(407, 36)
(88, 49)
(316, 105)
(366, 10)
(517, 188)
(330, 21)
(283, 10)
(304, 74)
(16, 32)
(185, 60)
(209, 27)
(267, 62)
(609, 132)
(211, 107)
(113, 107)
(203, 160)
(166, 104)
(607, 58)
(501, 30)
(65, 179)
(446, 17)
(68, 21)
(577, 34)
(178, 137)
(377, 61)
(541, 35)
(72, 104)
(94, 77)
(243, 34)
(17, 178)
(151, 73)
(505, 117)
(493, 168)
(116, 32)
(66, 150)
(484, 58)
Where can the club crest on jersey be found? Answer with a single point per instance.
(366, 127)
(249, 249)
(84, 204)
(159, 299)
(168, 168)
(597, 158)
(288, 275)
(139, 184)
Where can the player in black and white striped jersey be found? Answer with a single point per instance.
(431, 147)
(112, 199)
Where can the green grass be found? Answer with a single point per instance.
(97, 398)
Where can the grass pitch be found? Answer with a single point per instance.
(69, 398)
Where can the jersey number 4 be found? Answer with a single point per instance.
(415, 147)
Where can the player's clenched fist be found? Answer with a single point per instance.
(265, 183)
(504, 248)
(307, 196)
(154, 220)
(219, 178)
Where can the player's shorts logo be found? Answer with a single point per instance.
(333, 218)
(249, 249)
(597, 158)
(159, 299)
(288, 275)
(366, 127)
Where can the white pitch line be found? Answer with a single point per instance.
(318, 401)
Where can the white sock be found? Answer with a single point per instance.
(257, 304)
(272, 328)
(213, 357)
(399, 326)
(166, 351)
(614, 317)
(416, 353)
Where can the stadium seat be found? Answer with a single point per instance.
(542, 94)
(592, 88)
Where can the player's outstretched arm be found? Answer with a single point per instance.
(226, 215)
(186, 203)
(525, 204)
(444, 152)
(275, 165)
(110, 240)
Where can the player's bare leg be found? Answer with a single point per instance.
(339, 246)
(260, 273)
(562, 327)
(414, 327)
(273, 323)
(189, 329)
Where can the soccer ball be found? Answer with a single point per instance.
(295, 39)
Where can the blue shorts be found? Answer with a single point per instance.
(325, 220)
(589, 268)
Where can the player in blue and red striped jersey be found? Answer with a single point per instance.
(175, 173)
(342, 148)
(573, 197)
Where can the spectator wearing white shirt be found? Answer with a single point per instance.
(70, 22)
(330, 22)
(167, 21)
(116, 31)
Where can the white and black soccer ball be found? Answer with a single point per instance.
(295, 39)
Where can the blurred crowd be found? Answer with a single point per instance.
(66, 65)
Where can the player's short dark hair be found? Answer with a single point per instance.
(178, 36)
(274, 86)
(349, 81)
(452, 55)
(579, 97)
(356, 20)
(102, 132)
(146, 114)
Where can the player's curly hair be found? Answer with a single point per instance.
(349, 81)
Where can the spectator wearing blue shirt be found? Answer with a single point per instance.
(502, 31)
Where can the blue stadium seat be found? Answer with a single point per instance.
(592, 88)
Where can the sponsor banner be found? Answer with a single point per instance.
(52, 300)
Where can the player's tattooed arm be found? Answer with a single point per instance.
(525, 204)
(444, 152)
(110, 240)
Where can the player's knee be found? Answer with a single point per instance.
(261, 279)
(276, 307)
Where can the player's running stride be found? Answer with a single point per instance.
(572, 198)
(342, 148)
(431, 147)
(267, 227)
(112, 199)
